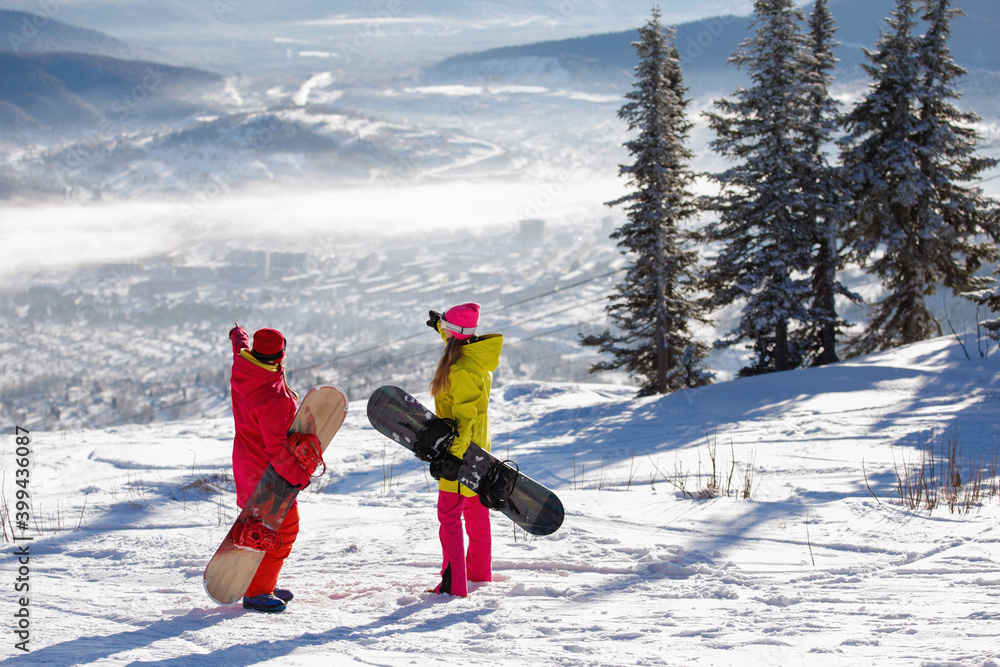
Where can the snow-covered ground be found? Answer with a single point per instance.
(813, 568)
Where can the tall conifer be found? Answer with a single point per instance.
(909, 152)
(765, 231)
(825, 196)
(654, 306)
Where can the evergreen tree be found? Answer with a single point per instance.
(909, 150)
(765, 231)
(654, 306)
(826, 198)
(989, 297)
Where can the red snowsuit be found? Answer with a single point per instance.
(263, 407)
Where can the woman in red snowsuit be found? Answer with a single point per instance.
(263, 407)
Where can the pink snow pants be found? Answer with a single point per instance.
(461, 566)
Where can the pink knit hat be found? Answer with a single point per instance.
(462, 320)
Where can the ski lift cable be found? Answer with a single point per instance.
(381, 346)
(991, 178)
(342, 357)
(554, 291)
(428, 351)
(154, 409)
(559, 312)
(562, 365)
(549, 332)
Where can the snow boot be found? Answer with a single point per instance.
(444, 588)
(283, 594)
(264, 602)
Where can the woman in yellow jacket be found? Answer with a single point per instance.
(461, 391)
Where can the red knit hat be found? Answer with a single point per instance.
(268, 345)
(462, 320)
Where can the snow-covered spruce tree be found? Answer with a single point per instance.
(825, 196)
(655, 304)
(909, 150)
(989, 297)
(765, 230)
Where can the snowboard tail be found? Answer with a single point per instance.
(399, 416)
(228, 575)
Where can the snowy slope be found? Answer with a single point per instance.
(811, 567)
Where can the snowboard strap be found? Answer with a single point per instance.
(308, 451)
(434, 440)
(251, 533)
(496, 486)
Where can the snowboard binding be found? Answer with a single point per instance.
(433, 441)
(495, 488)
(253, 534)
(306, 449)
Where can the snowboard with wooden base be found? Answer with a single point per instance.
(397, 415)
(228, 575)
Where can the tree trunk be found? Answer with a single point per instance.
(826, 298)
(661, 313)
(781, 360)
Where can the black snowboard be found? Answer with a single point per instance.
(397, 415)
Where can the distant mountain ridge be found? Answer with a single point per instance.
(58, 76)
(705, 47)
(41, 91)
(25, 32)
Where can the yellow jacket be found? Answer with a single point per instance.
(467, 398)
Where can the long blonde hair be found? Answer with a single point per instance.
(285, 380)
(452, 353)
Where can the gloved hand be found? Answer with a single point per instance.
(432, 442)
(446, 468)
(233, 331)
(290, 470)
(435, 317)
(307, 450)
(293, 462)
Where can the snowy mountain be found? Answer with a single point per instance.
(606, 59)
(35, 32)
(662, 560)
(241, 36)
(83, 91)
(705, 46)
(402, 104)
